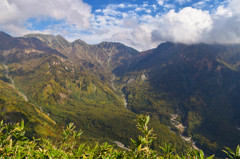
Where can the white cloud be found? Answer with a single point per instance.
(110, 11)
(122, 5)
(148, 11)
(186, 26)
(182, 1)
(234, 6)
(200, 4)
(131, 29)
(139, 9)
(191, 25)
(145, 5)
(98, 11)
(226, 24)
(17, 12)
(222, 11)
(160, 2)
(154, 7)
(169, 6)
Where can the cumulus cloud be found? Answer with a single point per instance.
(226, 24)
(191, 25)
(186, 26)
(15, 13)
(234, 6)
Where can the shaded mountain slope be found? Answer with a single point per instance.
(199, 82)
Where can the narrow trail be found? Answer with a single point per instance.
(12, 84)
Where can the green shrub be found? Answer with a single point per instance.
(14, 144)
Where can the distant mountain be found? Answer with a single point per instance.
(100, 59)
(106, 54)
(70, 82)
(56, 42)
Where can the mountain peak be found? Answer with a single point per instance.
(166, 44)
(45, 37)
(57, 42)
(106, 43)
(37, 35)
(60, 37)
(4, 35)
(78, 41)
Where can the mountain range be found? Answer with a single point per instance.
(191, 92)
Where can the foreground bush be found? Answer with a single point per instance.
(14, 144)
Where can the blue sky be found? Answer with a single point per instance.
(139, 24)
(101, 4)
